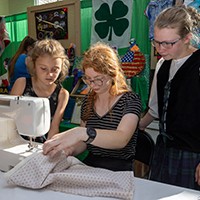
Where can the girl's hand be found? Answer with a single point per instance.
(62, 142)
(197, 174)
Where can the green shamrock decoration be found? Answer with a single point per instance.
(109, 21)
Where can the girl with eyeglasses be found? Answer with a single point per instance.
(175, 99)
(109, 115)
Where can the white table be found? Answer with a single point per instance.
(144, 190)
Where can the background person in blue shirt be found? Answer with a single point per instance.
(17, 67)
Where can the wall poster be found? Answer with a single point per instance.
(52, 24)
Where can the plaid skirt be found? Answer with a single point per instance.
(174, 166)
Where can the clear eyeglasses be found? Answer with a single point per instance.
(164, 44)
(96, 81)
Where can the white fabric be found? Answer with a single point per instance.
(116, 41)
(70, 176)
(144, 190)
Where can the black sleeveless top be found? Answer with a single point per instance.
(183, 110)
(53, 101)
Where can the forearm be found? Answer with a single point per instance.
(79, 148)
(145, 121)
(197, 174)
(53, 131)
(110, 139)
(54, 128)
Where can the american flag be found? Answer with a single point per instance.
(128, 57)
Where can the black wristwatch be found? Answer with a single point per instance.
(91, 135)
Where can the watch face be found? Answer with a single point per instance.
(91, 135)
(91, 132)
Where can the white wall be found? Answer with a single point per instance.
(19, 6)
(4, 8)
(11, 7)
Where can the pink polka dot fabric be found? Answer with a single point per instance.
(71, 176)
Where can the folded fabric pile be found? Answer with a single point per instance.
(71, 176)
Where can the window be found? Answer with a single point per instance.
(40, 2)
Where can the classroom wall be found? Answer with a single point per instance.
(11, 7)
(15, 8)
(4, 8)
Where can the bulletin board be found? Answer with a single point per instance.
(52, 24)
(59, 20)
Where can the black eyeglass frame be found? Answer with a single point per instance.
(97, 81)
(165, 44)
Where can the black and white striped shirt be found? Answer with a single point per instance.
(128, 103)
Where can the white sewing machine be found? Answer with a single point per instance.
(28, 116)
